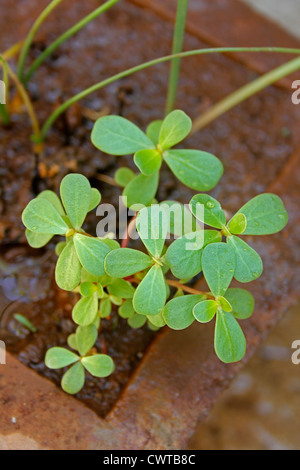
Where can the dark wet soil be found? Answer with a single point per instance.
(254, 141)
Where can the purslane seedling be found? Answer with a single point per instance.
(140, 284)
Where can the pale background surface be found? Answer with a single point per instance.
(261, 409)
(284, 12)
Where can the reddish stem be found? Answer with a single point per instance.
(129, 230)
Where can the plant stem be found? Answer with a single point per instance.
(31, 35)
(4, 112)
(12, 51)
(4, 115)
(244, 93)
(108, 180)
(187, 289)
(77, 27)
(129, 230)
(25, 97)
(178, 40)
(178, 285)
(61, 109)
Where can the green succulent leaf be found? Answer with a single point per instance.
(157, 320)
(112, 244)
(150, 296)
(121, 288)
(91, 253)
(242, 302)
(123, 176)
(265, 215)
(152, 226)
(196, 169)
(126, 310)
(178, 313)
(99, 365)
(230, 342)
(73, 380)
(148, 161)
(237, 225)
(88, 277)
(85, 311)
(25, 322)
(181, 219)
(249, 265)
(95, 199)
(218, 265)
(75, 191)
(140, 191)
(37, 240)
(41, 217)
(205, 311)
(225, 304)
(153, 131)
(184, 254)
(87, 289)
(116, 135)
(60, 247)
(137, 321)
(72, 342)
(51, 197)
(68, 268)
(208, 210)
(57, 358)
(86, 337)
(175, 128)
(105, 308)
(124, 262)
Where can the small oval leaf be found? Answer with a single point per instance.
(265, 215)
(152, 225)
(85, 311)
(237, 225)
(124, 262)
(153, 131)
(205, 311)
(121, 288)
(123, 176)
(116, 135)
(73, 380)
(68, 268)
(208, 210)
(37, 240)
(242, 302)
(148, 161)
(99, 365)
(140, 191)
(218, 264)
(249, 265)
(230, 342)
(86, 337)
(41, 217)
(175, 128)
(150, 296)
(178, 313)
(57, 358)
(91, 253)
(198, 170)
(75, 191)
